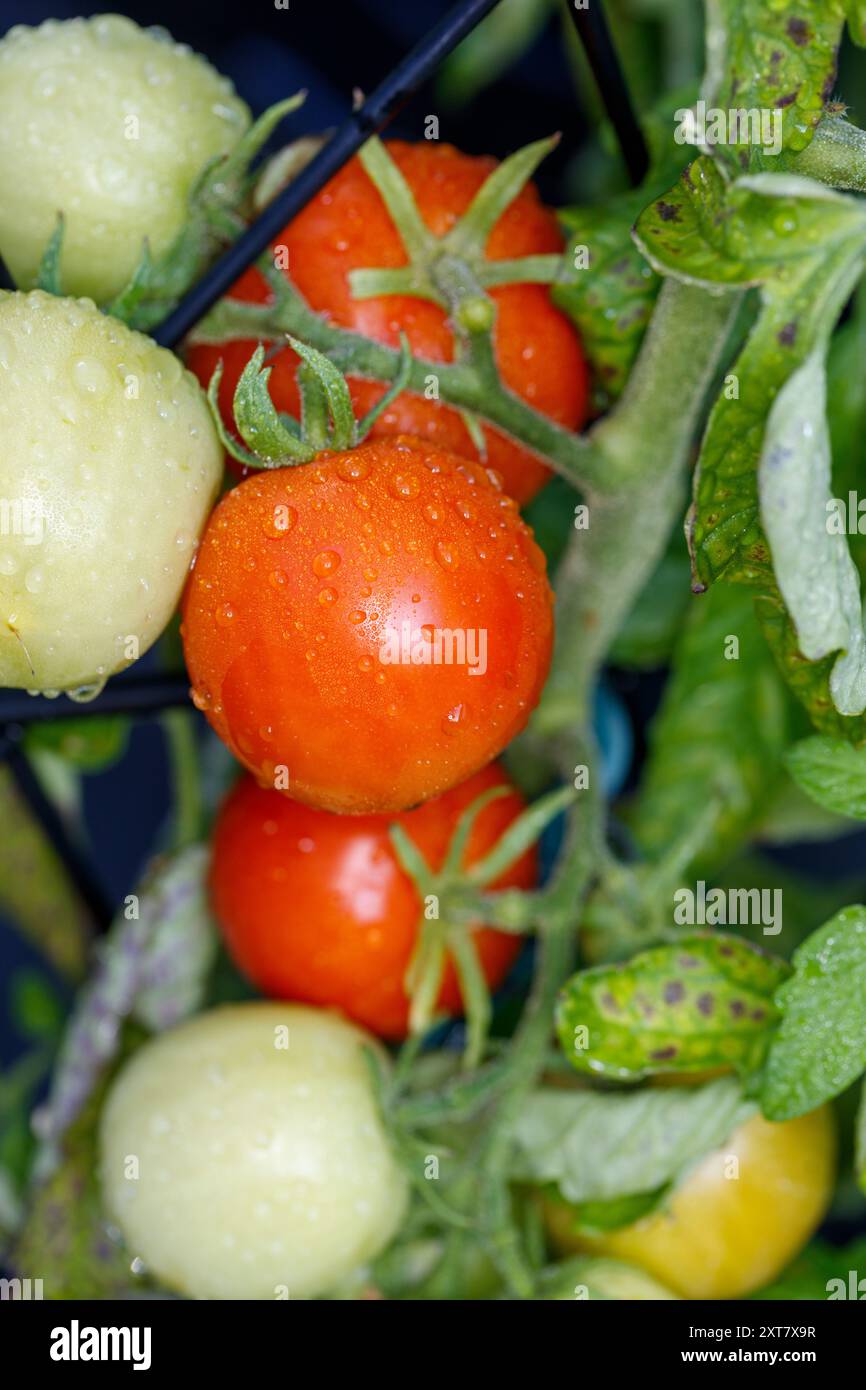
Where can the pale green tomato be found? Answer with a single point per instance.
(109, 466)
(110, 124)
(243, 1155)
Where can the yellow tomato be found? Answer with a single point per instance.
(737, 1218)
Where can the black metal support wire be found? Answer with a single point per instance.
(143, 695)
(591, 24)
(140, 695)
(366, 120)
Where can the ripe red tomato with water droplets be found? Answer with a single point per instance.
(347, 227)
(370, 629)
(315, 907)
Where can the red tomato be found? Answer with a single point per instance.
(374, 626)
(347, 227)
(315, 907)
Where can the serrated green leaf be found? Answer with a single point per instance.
(601, 1147)
(773, 57)
(832, 773)
(720, 733)
(808, 681)
(820, 1045)
(611, 300)
(706, 1002)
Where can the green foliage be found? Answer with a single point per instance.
(777, 56)
(705, 1002)
(832, 773)
(611, 298)
(718, 738)
(820, 1046)
(600, 1148)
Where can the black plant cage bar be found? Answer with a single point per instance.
(152, 694)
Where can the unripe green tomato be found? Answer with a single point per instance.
(109, 466)
(111, 125)
(243, 1155)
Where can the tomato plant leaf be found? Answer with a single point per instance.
(600, 1147)
(831, 772)
(820, 1045)
(705, 1002)
(610, 298)
(813, 566)
(779, 58)
(721, 731)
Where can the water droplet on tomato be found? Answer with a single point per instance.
(224, 615)
(445, 554)
(352, 469)
(357, 616)
(325, 563)
(404, 485)
(327, 596)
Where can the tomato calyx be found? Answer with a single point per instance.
(215, 218)
(453, 901)
(272, 439)
(450, 269)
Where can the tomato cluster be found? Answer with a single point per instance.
(369, 630)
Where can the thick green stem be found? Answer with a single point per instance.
(458, 383)
(188, 813)
(836, 155)
(647, 441)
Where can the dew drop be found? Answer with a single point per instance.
(326, 562)
(85, 693)
(404, 485)
(352, 469)
(224, 615)
(445, 555)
